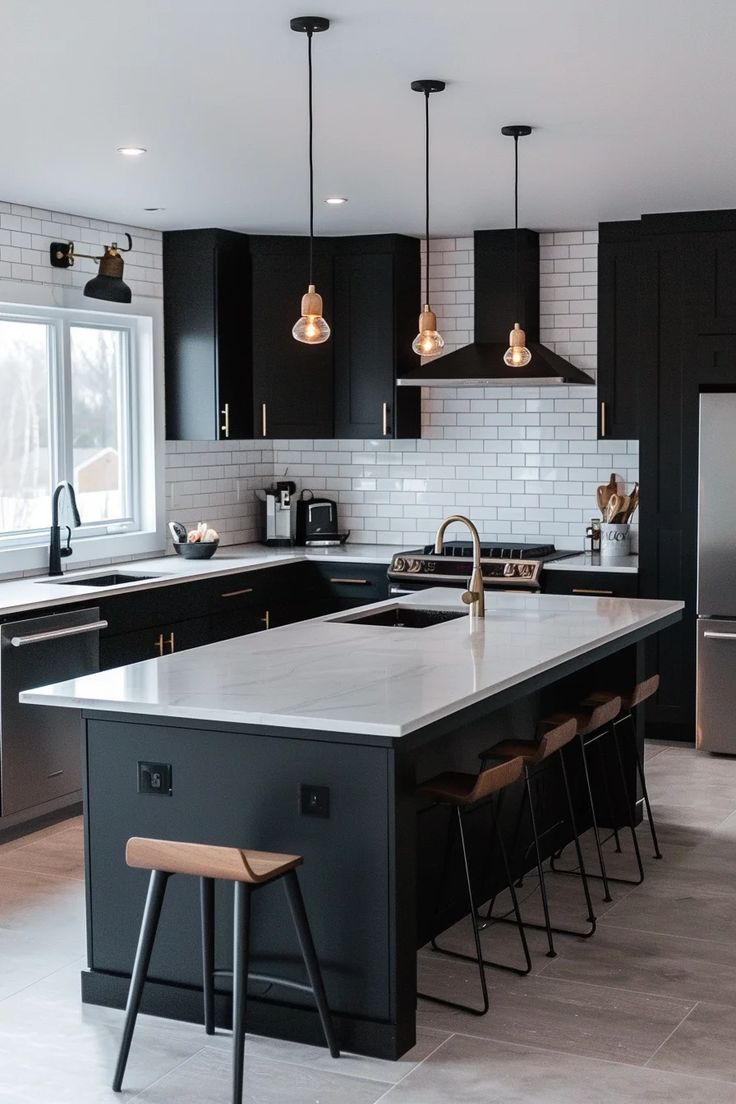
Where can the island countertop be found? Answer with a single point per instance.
(331, 675)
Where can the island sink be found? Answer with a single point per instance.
(404, 617)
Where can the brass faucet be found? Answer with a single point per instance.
(474, 596)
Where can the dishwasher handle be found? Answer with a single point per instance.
(56, 634)
(719, 635)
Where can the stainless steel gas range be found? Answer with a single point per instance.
(504, 566)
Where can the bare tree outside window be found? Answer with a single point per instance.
(25, 459)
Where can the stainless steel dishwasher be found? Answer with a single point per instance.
(40, 750)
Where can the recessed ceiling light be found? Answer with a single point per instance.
(131, 151)
(335, 200)
(154, 208)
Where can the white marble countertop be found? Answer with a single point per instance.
(333, 675)
(20, 595)
(592, 561)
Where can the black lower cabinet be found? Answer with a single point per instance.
(344, 586)
(152, 642)
(600, 584)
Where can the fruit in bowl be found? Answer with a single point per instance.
(201, 543)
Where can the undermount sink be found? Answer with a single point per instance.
(116, 578)
(403, 617)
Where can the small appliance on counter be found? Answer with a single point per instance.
(316, 521)
(278, 516)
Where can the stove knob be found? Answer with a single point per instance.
(509, 570)
(430, 565)
(399, 564)
(526, 571)
(414, 566)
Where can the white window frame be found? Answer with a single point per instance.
(143, 322)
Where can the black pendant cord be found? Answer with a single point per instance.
(516, 226)
(311, 163)
(426, 191)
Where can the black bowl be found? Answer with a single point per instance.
(196, 550)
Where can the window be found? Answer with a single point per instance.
(77, 402)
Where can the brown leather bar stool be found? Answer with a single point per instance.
(630, 699)
(593, 724)
(538, 756)
(247, 870)
(463, 793)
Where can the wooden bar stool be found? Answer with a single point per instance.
(462, 793)
(630, 699)
(538, 756)
(593, 723)
(247, 870)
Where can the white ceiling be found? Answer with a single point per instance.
(632, 101)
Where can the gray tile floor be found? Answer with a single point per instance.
(644, 1011)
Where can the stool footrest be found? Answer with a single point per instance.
(269, 979)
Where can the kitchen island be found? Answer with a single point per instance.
(311, 739)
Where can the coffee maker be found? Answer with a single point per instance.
(278, 516)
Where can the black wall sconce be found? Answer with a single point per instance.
(108, 283)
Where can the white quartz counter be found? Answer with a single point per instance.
(332, 675)
(592, 561)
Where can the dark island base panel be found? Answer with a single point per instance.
(371, 868)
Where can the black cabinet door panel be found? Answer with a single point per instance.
(619, 274)
(364, 345)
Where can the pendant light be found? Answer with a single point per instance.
(428, 341)
(311, 327)
(517, 355)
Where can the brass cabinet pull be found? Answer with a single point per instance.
(385, 420)
(603, 419)
(171, 642)
(55, 774)
(358, 582)
(225, 427)
(236, 593)
(267, 619)
(264, 420)
(583, 590)
(160, 644)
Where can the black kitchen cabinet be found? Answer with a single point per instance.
(292, 382)
(150, 643)
(376, 303)
(619, 351)
(209, 394)
(600, 584)
(341, 586)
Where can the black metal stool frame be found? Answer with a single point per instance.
(240, 972)
(478, 957)
(535, 773)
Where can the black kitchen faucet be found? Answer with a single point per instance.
(55, 550)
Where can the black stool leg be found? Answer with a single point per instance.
(241, 949)
(306, 945)
(606, 891)
(512, 891)
(578, 849)
(473, 916)
(644, 790)
(149, 924)
(551, 953)
(631, 802)
(207, 901)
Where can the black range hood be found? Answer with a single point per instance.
(497, 307)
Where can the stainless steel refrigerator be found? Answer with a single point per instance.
(716, 627)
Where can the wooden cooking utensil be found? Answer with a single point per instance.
(622, 508)
(604, 493)
(612, 507)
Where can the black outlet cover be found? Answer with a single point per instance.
(314, 800)
(154, 778)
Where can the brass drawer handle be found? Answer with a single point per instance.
(358, 582)
(160, 644)
(264, 420)
(55, 774)
(385, 419)
(603, 419)
(583, 590)
(225, 427)
(236, 593)
(171, 642)
(267, 619)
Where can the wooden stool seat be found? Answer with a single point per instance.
(589, 718)
(457, 788)
(204, 860)
(534, 751)
(630, 698)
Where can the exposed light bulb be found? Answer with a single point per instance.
(429, 341)
(517, 355)
(311, 328)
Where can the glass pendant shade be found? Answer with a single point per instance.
(517, 355)
(429, 341)
(311, 328)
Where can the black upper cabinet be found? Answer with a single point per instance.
(376, 307)
(206, 313)
(234, 370)
(619, 297)
(292, 382)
